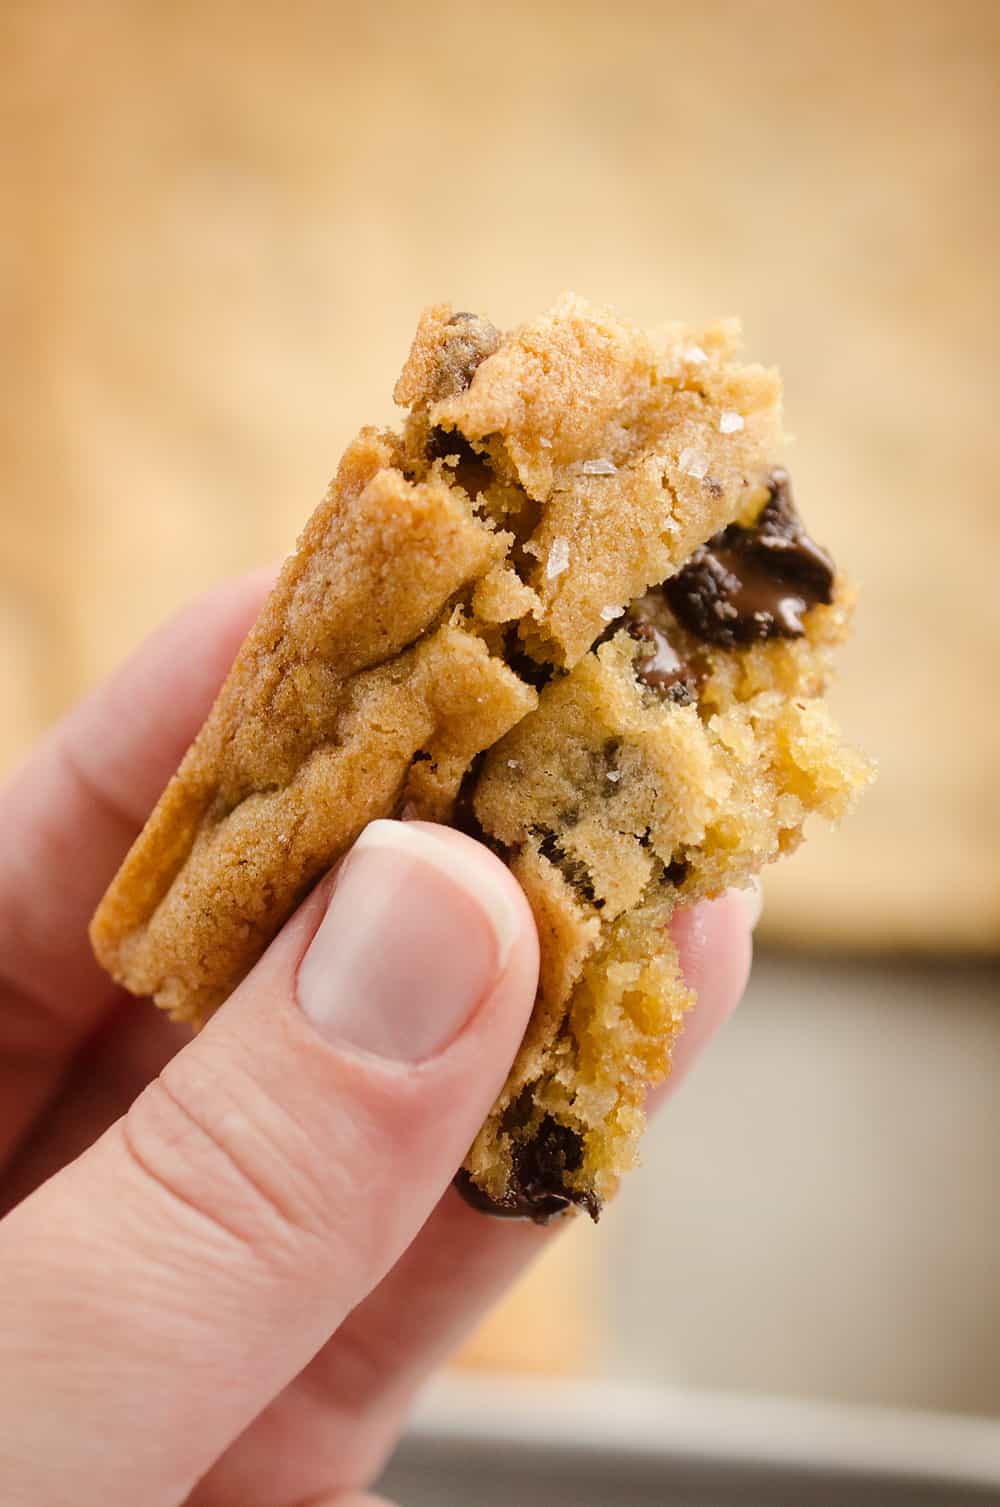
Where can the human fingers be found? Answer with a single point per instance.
(715, 944)
(68, 817)
(454, 1271)
(419, 1313)
(206, 1247)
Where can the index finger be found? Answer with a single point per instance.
(69, 815)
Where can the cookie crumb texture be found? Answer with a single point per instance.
(570, 608)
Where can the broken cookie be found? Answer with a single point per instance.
(572, 608)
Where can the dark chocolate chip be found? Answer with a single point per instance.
(753, 583)
(511, 1205)
(677, 871)
(538, 1189)
(657, 664)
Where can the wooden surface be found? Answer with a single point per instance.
(222, 221)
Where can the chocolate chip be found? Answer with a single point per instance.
(538, 1189)
(657, 664)
(753, 583)
(677, 871)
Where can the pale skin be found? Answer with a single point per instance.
(227, 1263)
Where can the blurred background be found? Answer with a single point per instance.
(221, 222)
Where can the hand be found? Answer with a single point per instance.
(226, 1262)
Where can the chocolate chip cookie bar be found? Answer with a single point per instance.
(571, 608)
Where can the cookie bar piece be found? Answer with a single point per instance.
(450, 571)
(571, 607)
(682, 753)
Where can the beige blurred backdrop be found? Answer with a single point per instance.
(221, 221)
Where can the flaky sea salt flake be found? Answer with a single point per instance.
(729, 422)
(694, 355)
(614, 775)
(558, 560)
(599, 467)
(608, 614)
(694, 462)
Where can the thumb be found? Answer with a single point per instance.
(162, 1289)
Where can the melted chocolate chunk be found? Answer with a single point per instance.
(538, 1188)
(657, 665)
(753, 583)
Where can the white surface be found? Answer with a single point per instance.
(817, 1213)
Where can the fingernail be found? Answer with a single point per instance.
(416, 933)
(752, 900)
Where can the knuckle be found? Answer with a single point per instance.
(241, 1170)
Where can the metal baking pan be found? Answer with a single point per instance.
(484, 1442)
